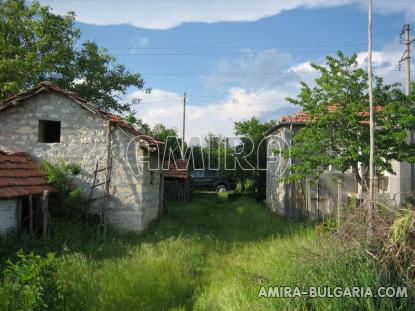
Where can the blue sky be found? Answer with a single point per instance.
(235, 59)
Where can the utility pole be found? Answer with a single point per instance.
(372, 204)
(184, 124)
(406, 57)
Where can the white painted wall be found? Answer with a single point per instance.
(8, 217)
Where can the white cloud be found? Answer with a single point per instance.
(164, 14)
(302, 68)
(217, 117)
(266, 98)
(385, 63)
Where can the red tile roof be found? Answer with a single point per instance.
(46, 86)
(176, 169)
(303, 117)
(20, 175)
(300, 117)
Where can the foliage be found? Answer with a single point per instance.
(392, 247)
(60, 176)
(38, 45)
(169, 137)
(145, 128)
(254, 150)
(399, 247)
(337, 134)
(30, 283)
(35, 45)
(100, 79)
(213, 153)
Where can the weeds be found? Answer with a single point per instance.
(207, 255)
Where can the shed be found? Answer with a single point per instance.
(22, 184)
(176, 181)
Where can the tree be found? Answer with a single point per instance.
(216, 153)
(251, 133)
(337, 133)
(100, 79)
(37, 45)
(145, 128)
(169, 137)
(162, 132)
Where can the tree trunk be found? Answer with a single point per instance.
(360, 180)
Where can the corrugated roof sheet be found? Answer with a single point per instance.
(20, 175)
(46, 86)
(176, 169)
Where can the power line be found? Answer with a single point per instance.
(238, 47)
(229, 53)
(240, 73)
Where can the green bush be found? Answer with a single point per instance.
(30, 283)
(61, 175)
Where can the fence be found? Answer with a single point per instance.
(177, 190)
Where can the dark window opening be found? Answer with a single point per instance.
(49, 131)
(151, 178)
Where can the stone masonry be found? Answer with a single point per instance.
(134, 197)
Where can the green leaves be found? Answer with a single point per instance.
(251, 133)
(31, 283)
(60, 176)
(337, 134)
(38, 45)
(100, 79)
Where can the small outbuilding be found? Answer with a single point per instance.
(22, 185)
(177, 186)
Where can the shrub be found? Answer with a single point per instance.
(399, 248)
(30, 283)
(60, 176)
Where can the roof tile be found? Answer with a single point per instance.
(20, 175)
(176, 169)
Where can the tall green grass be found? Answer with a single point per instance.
(211, 254)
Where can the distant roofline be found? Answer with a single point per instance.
(281, 124)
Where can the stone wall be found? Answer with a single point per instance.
(83, 141)
(8, 217)
(152, 195)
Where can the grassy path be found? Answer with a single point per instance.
(206, 255)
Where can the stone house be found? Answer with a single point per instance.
(325, 198)
(52, 124)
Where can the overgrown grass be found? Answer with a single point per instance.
(207, 255)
